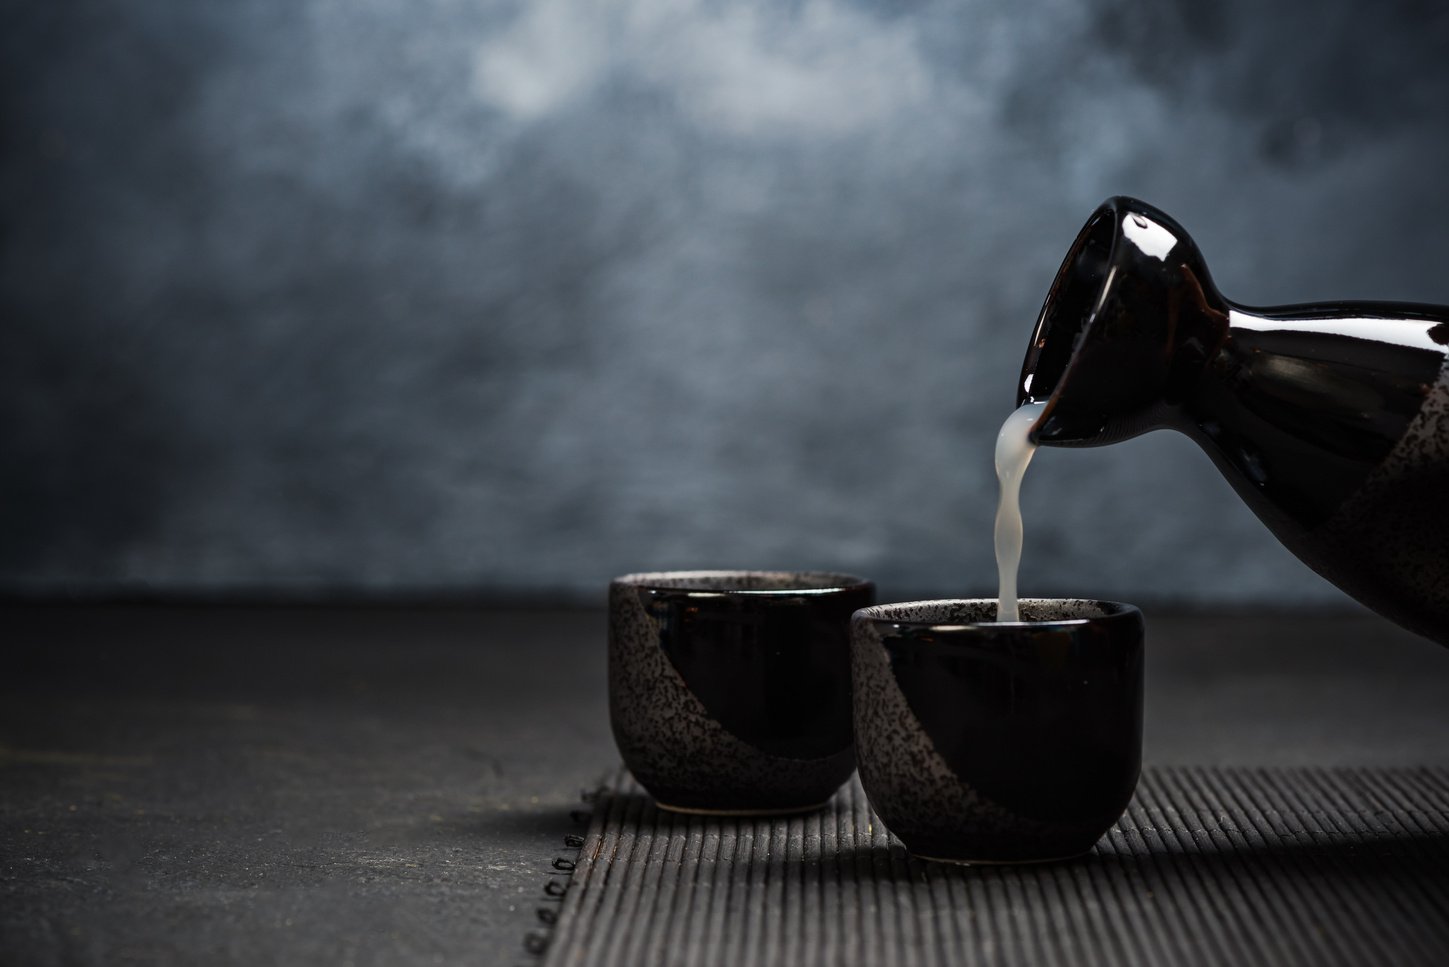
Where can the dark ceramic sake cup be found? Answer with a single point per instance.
(729, 691)
(986, 742)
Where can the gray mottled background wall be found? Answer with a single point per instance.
(384, 295)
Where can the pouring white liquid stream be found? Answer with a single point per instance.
(1013, 452)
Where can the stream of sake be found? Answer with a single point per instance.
(1013, 452)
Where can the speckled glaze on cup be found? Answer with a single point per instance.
(729, 691)
(981, 742)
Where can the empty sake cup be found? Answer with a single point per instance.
(729, 691)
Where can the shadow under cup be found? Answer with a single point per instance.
(729, 691)
(987, 742)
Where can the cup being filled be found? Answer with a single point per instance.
(987, 742)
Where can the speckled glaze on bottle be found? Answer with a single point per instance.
(981, 742)
(1331, 421)
(729, 691)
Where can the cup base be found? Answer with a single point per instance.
(1027, 862)
(773, 811)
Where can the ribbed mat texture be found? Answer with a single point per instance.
(1208, 866)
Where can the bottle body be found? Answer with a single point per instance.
(1331, 421)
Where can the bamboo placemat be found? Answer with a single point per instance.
(1208, 866)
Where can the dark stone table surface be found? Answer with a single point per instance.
(308, 785)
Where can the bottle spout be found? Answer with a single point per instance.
(1126, 326)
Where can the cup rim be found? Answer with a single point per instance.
(886, 614)
(698, 582)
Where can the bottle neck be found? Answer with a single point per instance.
(1141, 359)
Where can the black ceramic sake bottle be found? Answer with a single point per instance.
(1331, 420)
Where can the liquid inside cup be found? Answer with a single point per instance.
(983, 611)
